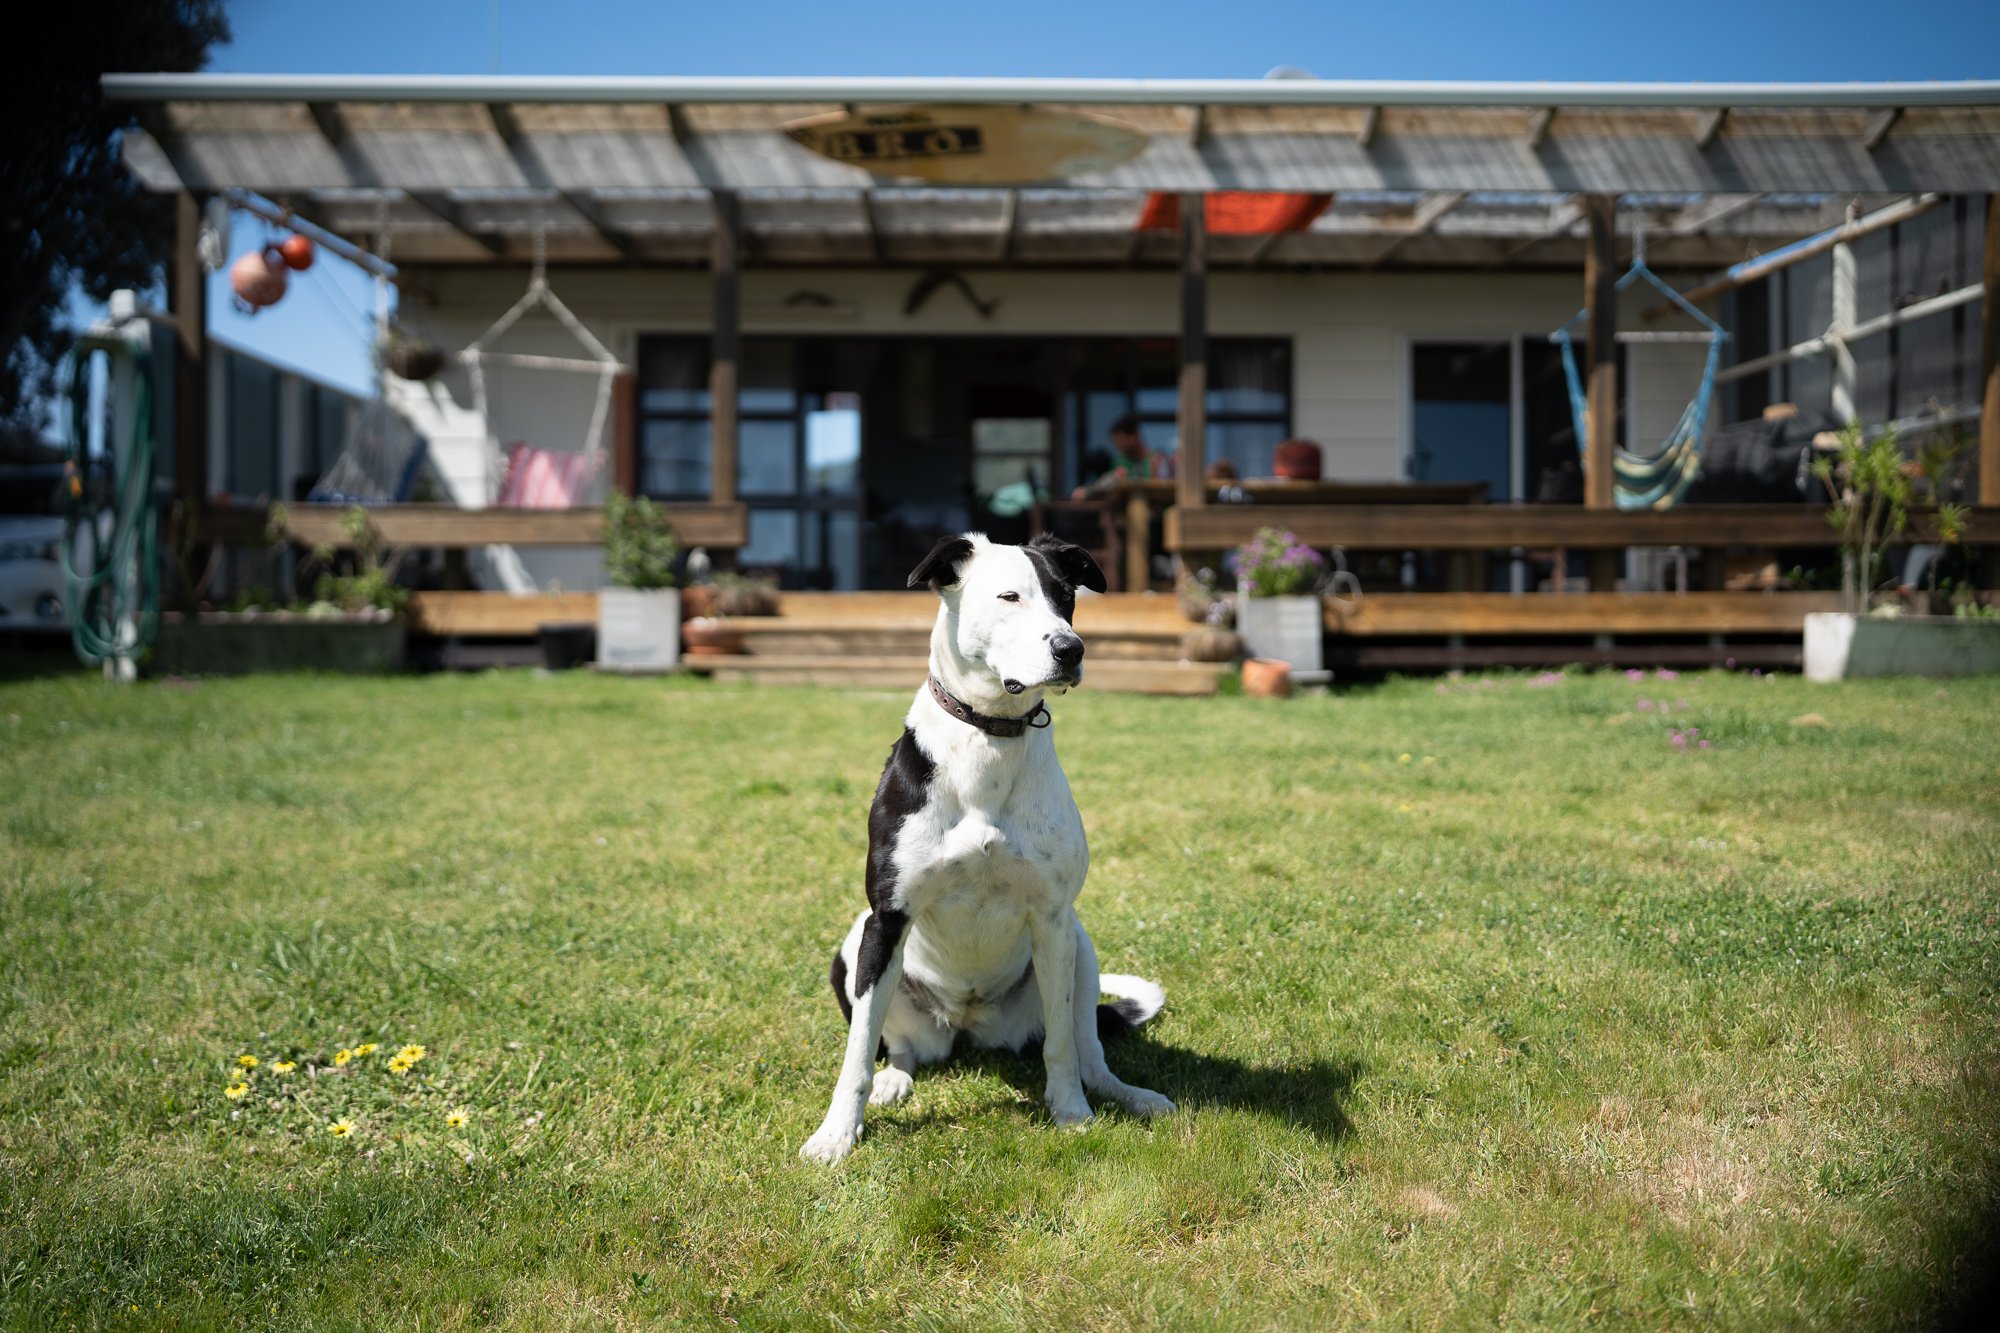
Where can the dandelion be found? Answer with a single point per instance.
(340, 1129)
(1403, 758)
(1429, 760)
(365, 1048)
(247, 1061)
(237, 1091)
(341, 1058)
(283, 1066)
(411, 1053)
(457, 1119)
(1404, 808)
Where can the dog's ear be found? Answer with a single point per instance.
(940, 567)
(1078, 566)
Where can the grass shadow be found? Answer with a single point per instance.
(1311, 1094)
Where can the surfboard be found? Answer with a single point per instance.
(971, 145)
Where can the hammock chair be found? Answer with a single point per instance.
(524, 475)
(1657, 481)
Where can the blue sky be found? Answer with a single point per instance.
(1705, 40)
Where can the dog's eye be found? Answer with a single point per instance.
(1010, 596)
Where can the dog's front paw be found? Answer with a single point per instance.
(1145, 1102)
(831, 1143)
(891, 1086)
(1071, 1112)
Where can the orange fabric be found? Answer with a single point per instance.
(1238, 212)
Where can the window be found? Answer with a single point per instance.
(1461, 414)
(252, 428)
(1249, 399)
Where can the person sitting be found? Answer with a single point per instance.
(1131, 460)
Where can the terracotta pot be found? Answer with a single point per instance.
(258, 278)
(1211, 645)
(1297, 460)
(711, 638)
(697, 601)
(1267, 678)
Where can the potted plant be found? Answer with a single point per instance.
(1873, 486)
(410, 356)
(639, 615)
(354, 624)
(1277, 607)
(745, 595)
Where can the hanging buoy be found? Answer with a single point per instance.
(298, 253)
(258, 278)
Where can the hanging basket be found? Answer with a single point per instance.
(411, 358)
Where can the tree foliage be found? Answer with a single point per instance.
(71, 215)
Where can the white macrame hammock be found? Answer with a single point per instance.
(478, 355)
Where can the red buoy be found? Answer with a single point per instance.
(258, 278)
(298, 253)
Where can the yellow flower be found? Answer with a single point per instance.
(236, 1091)
(283, 1066)
(1403, 758)
(340, 1129)
(247, 1061)
(1404, 808)
(412, 1053)
(456, 1119)
(1429, 760)
(365, 1048)
(341, 1057)
(399, 1066)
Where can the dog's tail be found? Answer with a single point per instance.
(1139, 999)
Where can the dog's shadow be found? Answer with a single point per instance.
(1311, 1094)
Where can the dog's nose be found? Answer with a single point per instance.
(1068, 650)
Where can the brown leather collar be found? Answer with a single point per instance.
(992, 726)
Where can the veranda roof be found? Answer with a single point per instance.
(1422, 175)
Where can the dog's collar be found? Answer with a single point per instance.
(992, 726)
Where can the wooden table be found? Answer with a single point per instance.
(1143, 497)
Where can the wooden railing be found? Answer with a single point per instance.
(720, 526)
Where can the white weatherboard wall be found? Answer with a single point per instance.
(1349, 334)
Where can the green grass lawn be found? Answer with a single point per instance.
(1488, 1004)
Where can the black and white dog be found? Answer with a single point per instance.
(976, 856)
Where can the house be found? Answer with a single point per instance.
(854, 314)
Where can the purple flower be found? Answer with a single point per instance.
(1645, 705)
(1729, 662)
(1634, 673)
(1666, 673)
(1704, 745)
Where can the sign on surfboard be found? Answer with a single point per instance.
(971, 145)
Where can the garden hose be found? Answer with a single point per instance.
(99, 602)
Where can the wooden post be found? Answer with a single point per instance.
(724, 260)
(187, 298)
(1191, 468)
(625, 434)
(1600, 282)
(1989, 363)
(1989, 379)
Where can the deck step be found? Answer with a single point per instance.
(906, 672)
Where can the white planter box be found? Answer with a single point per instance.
(1839, 646)
(1286, 628)
(639, 629)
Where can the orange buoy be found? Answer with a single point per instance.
(298, 253)
(258, 278)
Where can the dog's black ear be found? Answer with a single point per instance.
(1077, 565)
(940, 567)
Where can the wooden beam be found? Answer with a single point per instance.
(1880, 122)
(1697, 217)
(536, 173)
(1538, 126)
(446, 527)
(1010, 216)
(1463, 527)
(1989, 361)
(333, 128)
(874, 225)
(1600, 279)
(1579, 613)
(1561, 218)
(725, 264)
(1423, 218)
(187, 298)
(1198, 130)
(1371, 124)
(1192, 418)
(1708, 126)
